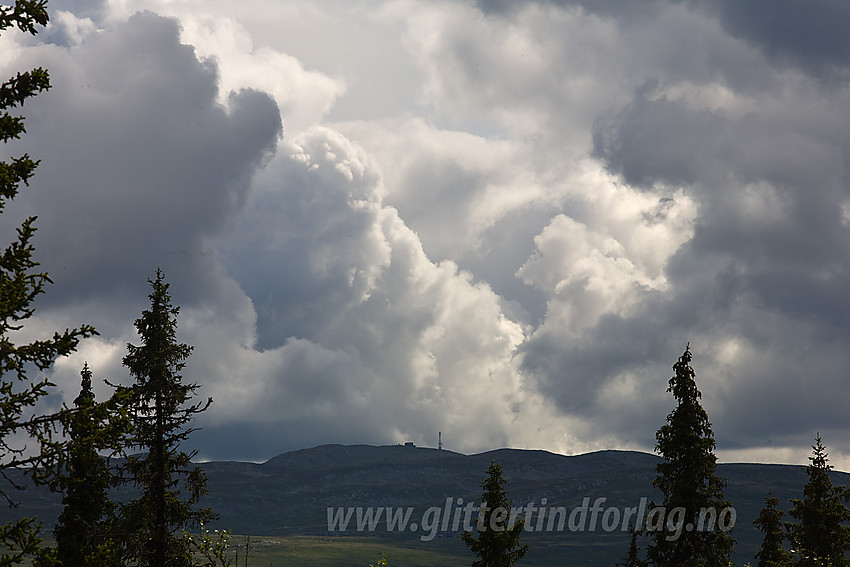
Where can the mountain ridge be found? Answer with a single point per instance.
(292, 493)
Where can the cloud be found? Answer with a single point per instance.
(741, 139)
(304, 97)
(311, 304)
(362, 330)
(140, 163)
(499, 221)
(806, 37)
(797, 34)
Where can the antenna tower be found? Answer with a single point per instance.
(440, 441)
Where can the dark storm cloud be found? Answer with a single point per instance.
(573, 371)
(771, 391)
(767, 264)
(657, 139)
(789, 248)
(807, 35)
(93, 9)
(811, 36)
(133, 121)
(308, 247)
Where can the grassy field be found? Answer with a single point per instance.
(311, 551)
(345, 551)
(352, 551)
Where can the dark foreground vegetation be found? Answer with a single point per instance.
(146, 425)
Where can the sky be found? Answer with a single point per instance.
(502, 221)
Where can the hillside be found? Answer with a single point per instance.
(290, 494)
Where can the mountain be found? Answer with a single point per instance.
(291, 494)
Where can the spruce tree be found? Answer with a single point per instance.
(161, 410)
(83, 530)
(688, 481)
(772, 553)
(632, 556)
(820, 535)
(497, 543)
(20, 284)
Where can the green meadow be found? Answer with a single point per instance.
(351, 551)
